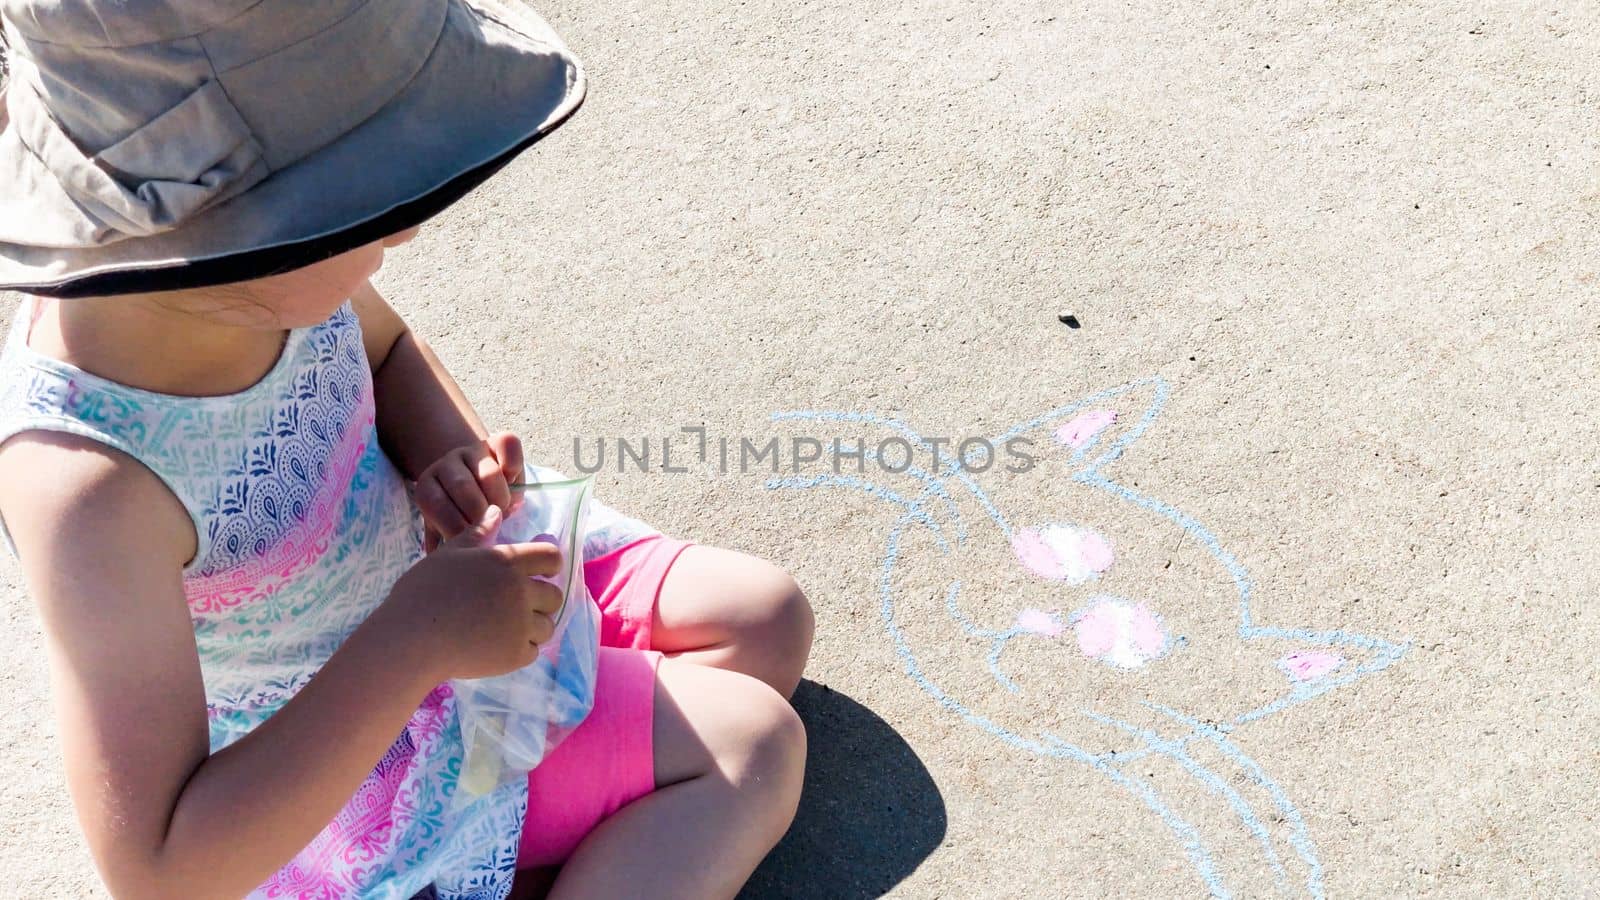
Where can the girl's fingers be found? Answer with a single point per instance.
(492, 481)
(462, 486)
(430, 539)
(482, 532)
(507, 448)
(457, 490)
(542, 629)
(437, 507)
(532, 558)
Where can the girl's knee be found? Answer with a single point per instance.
(774, 768)
(736, 737)
(782, 626)
(789, 616)
(737, 612)
(762, 755)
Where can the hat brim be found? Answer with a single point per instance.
(497, 81)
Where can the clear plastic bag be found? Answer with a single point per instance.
(510, 722)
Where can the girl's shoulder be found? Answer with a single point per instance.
(70, 477)
(93, 436)
(63, 495)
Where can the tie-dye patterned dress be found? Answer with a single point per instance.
(303, 527)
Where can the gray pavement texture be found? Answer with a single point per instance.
(1334, 266)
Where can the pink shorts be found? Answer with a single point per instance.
(608, 762)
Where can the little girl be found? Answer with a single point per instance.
(208, 422)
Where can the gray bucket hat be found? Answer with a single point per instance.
(161, 144)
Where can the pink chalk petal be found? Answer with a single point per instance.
(1039, 621)
(1120, 633)
(1063, 552)
(1146, 634)
(1095, 551)
(1084, 427)
(1097, 633)
(1036, 555)
(1310, 665)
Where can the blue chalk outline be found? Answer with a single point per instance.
(1383, 653)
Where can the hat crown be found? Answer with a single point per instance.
(150, 111)
(118, 24)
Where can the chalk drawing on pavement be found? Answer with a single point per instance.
(1118, 636)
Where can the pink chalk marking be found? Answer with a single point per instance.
(1094, 551)
(1034, 554)
(1084, 427)
(1063, 552)
(1120, 633)
(1310, 665)
(1097, 633)
(1038, 621)
(1145, 634)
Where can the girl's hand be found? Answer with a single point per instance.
(457, 488)
(473, 605)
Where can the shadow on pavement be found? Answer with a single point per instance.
(870, 813)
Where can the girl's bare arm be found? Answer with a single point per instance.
(422, 413)
(102, 543)
(429, 429)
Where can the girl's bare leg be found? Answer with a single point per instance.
(737, 612)
(729, 757)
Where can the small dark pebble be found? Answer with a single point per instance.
(1070, 320)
